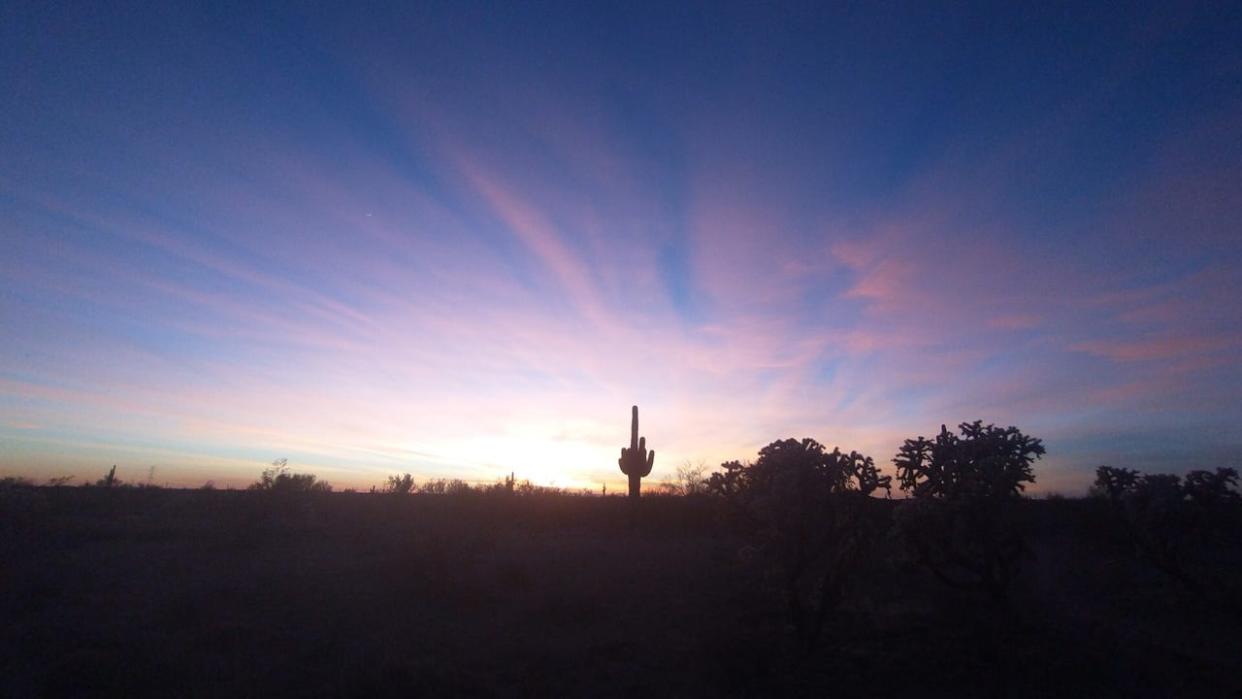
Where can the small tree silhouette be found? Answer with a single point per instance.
(804, 506)
(957, 524)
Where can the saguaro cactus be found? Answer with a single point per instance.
(636, 461)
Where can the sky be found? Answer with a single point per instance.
(461, 240)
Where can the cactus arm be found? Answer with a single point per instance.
(634, 427)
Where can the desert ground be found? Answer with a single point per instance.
(211, 593)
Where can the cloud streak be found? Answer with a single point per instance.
(474, 271)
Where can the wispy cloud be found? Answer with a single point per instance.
(477, 270)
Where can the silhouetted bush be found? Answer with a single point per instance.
(277, 479)
(1159, 524)
(804, 507)
(446, 486)
(1113, 483)
(1209, 489)
(1173, 523)
(959, 523)
(505, 485)
(434, 487)
(691, 481)
(109, 480)
(399, 485)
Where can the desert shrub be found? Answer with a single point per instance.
(1113, 483)
(277, 479)
(959, 523)
(504, 486)
(446, 486)
(669, 489)
(21, 504)
(1208, 489)
(109, 480)
(1175, 524)
(399, 485)
(691, 479)
(526, 488)
(1154, 515)
(985, 463)
(804, 508)
(510, 485)
(435, 486)
(727, 482)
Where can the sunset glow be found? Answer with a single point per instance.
(465, 248)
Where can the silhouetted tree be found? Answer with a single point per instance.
(805, 507)
(958, 523)
(636, 461)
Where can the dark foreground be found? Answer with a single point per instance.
(196, 593)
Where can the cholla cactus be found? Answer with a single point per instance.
(636, 461)
(960, 523)
(1207, 488)
(808, 515)
(1114, 483)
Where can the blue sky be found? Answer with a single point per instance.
(460, 240)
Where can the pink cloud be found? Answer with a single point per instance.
(1018, 321)
(1156, 348)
